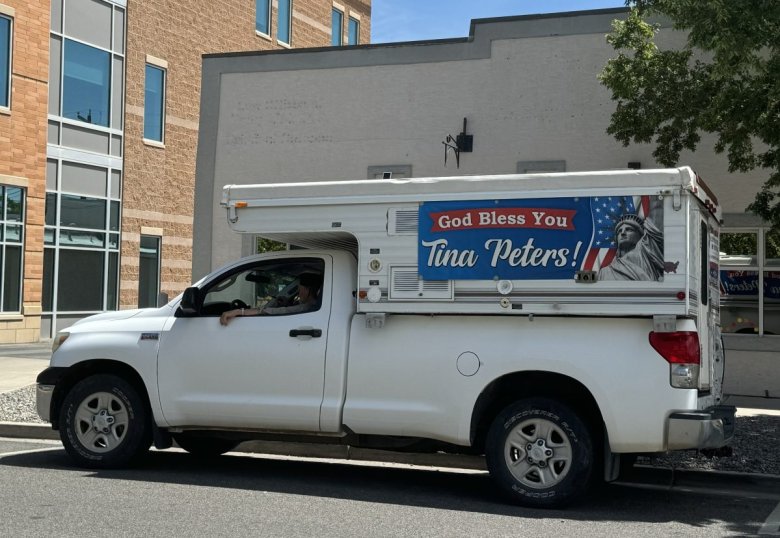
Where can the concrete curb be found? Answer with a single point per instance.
(711, 482)
(28, 430)
(755, 485)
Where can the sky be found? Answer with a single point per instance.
(414, 20)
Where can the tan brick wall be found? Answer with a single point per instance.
(23, 151)
(305, 34)
(159, 182)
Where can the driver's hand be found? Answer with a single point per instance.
(228, 316)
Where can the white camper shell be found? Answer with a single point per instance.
(379, 222)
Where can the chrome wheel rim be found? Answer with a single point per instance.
(101, 422)
(538, 453)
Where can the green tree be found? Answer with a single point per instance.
(725, 81)
(268, 245)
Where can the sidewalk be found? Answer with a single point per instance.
(20, 364)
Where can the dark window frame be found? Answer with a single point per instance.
(86, 116)
(146, 299)
(16, 244)
(287, 20)
(160, 106)
(350, 33)
(266, 12)
(337, 35)
(5, 91)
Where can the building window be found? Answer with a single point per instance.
(85, 147)
(750, 281)
(263, 17)
(12, 227)
(81, 238)
(80, 277)
(284, 30)
(154, 103)
(353, 31)
(336, 27)
(149, 271)
(86, 85)
(5, 61)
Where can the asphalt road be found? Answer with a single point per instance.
(172, 494)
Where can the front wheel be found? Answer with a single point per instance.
(540, 453)
(104, 422)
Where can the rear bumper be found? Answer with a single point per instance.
(709, 428)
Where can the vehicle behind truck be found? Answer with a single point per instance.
(554, 323)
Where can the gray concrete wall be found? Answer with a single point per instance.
(752, 365)
(528, 87)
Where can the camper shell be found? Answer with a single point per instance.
(384, 222)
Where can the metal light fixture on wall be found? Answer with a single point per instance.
(462, 143)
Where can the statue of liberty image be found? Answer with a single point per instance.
(639, 243)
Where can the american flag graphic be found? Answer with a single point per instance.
(606, 211)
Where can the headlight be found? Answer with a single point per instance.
(58, 340)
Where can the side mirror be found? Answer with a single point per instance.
(189, 304)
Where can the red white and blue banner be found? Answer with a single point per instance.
(619, 237)
(744, 284)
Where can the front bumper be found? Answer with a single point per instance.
(43, 396)
(708, 428)
(47, 381)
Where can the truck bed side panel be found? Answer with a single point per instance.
(404, 378)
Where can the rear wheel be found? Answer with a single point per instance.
(204, 446)
(104, 423)
(540, 453)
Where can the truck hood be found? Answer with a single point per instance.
(114, 316)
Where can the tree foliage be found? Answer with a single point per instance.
(725, 81)
(268, 245)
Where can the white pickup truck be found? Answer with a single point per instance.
(481, 315)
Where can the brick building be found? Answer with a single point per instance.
(99, 106)
(24, 38)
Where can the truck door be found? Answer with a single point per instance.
(258, 372)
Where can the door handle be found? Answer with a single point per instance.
(314, 333)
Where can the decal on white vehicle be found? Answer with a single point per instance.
(617, 237)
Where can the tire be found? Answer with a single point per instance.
(204, 446)
(540, 453)
(104, 422)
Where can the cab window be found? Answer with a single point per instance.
(269, 283)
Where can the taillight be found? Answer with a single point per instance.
(681, 350)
